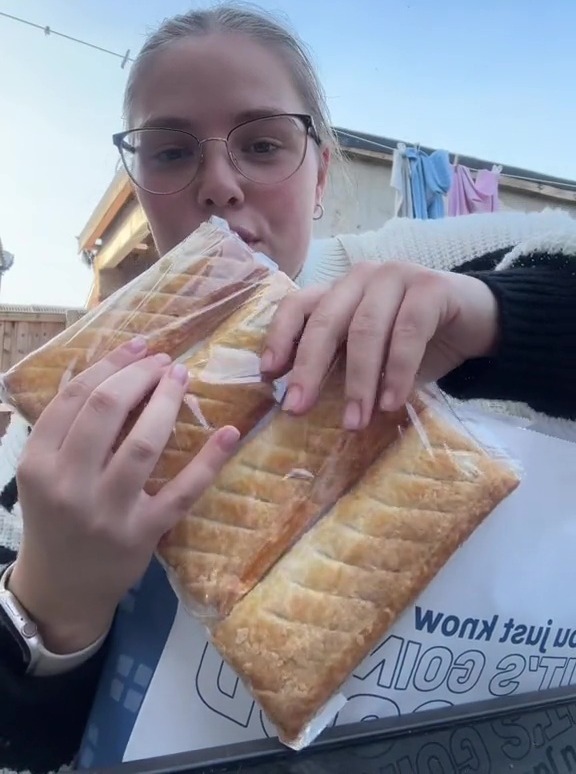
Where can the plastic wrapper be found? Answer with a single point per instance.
(212, 278)
(372, 546)
(175, 305)
(312, 540)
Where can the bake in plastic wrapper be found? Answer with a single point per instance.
(212, 283)
(387, 509)
(313, 539)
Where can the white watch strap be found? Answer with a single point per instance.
(43, 663)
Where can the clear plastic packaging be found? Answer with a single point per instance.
(312, 540)
(176, 304)
(328, 601)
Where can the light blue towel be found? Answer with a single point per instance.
(431, 178)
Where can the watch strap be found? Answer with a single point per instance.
(23, 642)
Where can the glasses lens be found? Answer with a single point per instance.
(269, 150)
(160, 160)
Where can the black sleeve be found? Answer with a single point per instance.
(42, 719)
(536, 358)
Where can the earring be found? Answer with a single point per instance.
(318, 211)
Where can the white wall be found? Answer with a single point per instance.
(359, 198)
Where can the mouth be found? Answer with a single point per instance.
(246, 236)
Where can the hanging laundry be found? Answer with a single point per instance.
(400, 181)
(468, 196)
(431, 179)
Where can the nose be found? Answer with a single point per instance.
(219, 183)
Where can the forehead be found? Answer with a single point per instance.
(212, 82)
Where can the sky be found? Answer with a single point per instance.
(492, 79)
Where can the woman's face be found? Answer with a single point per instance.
(209, 85)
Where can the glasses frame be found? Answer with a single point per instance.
(306, 119)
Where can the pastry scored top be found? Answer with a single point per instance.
(298, 635)
(208, 304)
(175, 304)
(268, 494)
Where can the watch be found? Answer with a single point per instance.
(21, 643)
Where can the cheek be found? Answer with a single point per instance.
(171, 218)
(289, 218)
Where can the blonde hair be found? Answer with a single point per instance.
(257, 24)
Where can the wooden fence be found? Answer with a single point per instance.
(25, 328)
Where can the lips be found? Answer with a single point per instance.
(246, 235)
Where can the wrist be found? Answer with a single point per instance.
(481, 316)
(65, 628)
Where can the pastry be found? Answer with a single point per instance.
(298, 635)
(267, 495)
(176, 304)
(225, 385)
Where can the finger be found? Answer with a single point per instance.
(95, 430)
(368, 341)
(131, 465)
(285, 329)
(416, 323)
(55, 421)
(325, 330)
(176, 498)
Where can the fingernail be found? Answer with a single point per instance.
(229, 438)
(267, 360)
(180, 373)
(387, 400)
(293, 398)
(138, 344)
(352, 415)
(162, 358)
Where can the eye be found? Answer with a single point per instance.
(167, 155)
(262, 147)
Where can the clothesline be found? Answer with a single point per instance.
(384, 146)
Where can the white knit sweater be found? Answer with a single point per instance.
(440, 244)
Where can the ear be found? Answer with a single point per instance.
(323, 167)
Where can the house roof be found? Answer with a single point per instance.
(37, 309)
(350, 139)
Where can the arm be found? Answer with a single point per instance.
(42, 719)
(405, 324)
(87, 517)
(535, 361)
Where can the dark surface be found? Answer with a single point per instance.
(530, 734)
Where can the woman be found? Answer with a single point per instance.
(89, 530)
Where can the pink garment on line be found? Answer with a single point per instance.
(468, 196)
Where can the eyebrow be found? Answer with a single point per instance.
(261, 112)
(167, 122)
(177, 122)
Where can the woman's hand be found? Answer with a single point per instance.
(89, 528)
(400, 324)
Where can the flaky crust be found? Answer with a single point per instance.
(273, 489)
(297, 636)
(176, 304)
(225, 386)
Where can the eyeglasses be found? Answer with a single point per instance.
(264, 150)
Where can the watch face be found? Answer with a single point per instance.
(13, 648)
